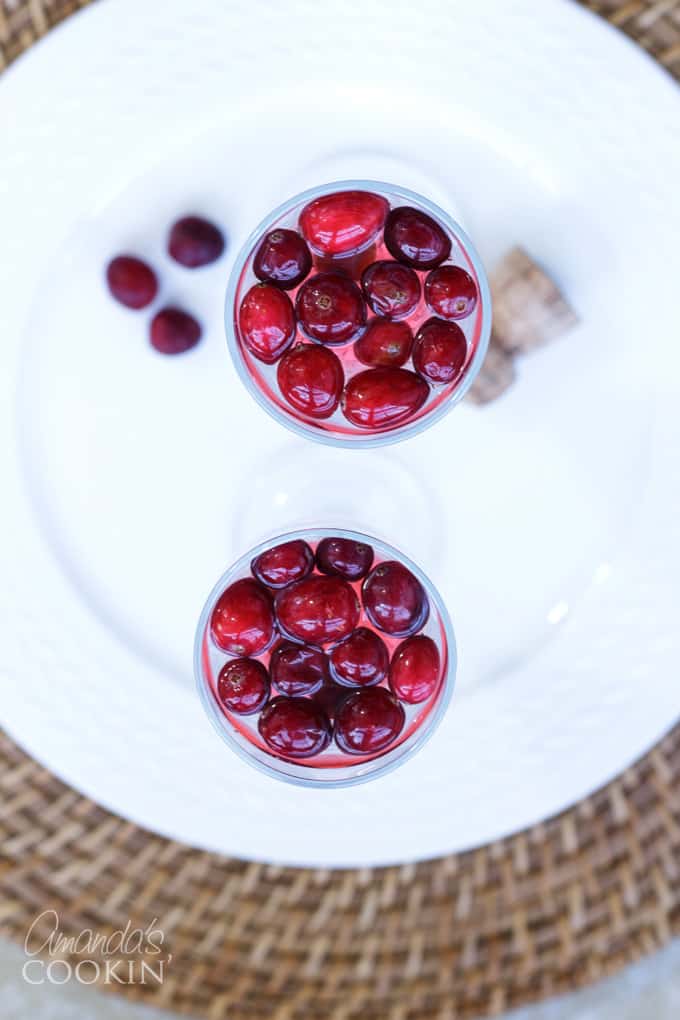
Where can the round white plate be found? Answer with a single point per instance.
(548, 521)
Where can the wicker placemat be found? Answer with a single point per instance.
(560, 905)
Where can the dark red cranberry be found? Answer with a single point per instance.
(368, 721)
(450, 292)
(294, 727)
(439, 351)
(298, 669)
(173, 331)
(414, 671)
(311, 378)
(361, 660)
(318, 609)
(342, 222)
(283, 259)
(267, 322)
(344, 556)
(243, 686)
(242, 621)
(385, 344)
(391, 289)
(330, 308)
(283, 564)
(395, 601)
(131, 281)
(330, 697)
(380, 397)
(195, 242)
(414, 238)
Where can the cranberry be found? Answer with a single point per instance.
(131, 281)
(391, 289)
(344, 556)
(450, 292)
(368, 721)
(195, 242)
(243, 686)
(267, 322)
(318, 609)
(330, 308)
(284, 563)
(294, 727)
(173, 331)
(414, 238)
(414, 671)
(361, 660)
(385, 344)
(311, 378)
(242, 621)
(395, 601)
(283, 258)
(330, 697)
(439, 351)
(380, 397)
(342, 222)
(298, 669)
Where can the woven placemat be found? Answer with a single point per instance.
(550, 909)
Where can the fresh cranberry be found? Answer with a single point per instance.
(344, 556)
(243, 686)
(380, 397)
(361, 660)
(330, 697)
(395, 601)
(284, 563)
(131, 281)
(414, 671)
(391, 289)
(267, 322)
(439, 351)
(298, 669)
(318, 609)
(368, 721)
(283, 258)
(311, 379)
(385, 344)
(450, 292)
(345, 221)
(414, 238)
(294, 727)
(173, 331)
(242, 621)
(330, 308)
(195, 242)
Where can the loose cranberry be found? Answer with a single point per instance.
(414, 238)
(267, 322)
(450, 292)
(283, 564)
(330, 308)
(294, 727)
(391, 289)
(380, 397)
(414, 671)
(298, 669)
(195, 242)
(395, 601)
(361, 660)
(385, 344)
(173, 331)
(330, 697)
(439, 351)
(283, 258)
(368, 721)
(242, 621)
(318, 609)
(311, 379)
(342, 222)
(131, 281)
(344, 556)
(243, 686)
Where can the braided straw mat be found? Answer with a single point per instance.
(565, 903)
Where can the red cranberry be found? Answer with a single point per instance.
(330, 697)
(294, 727)
(395, 601)
(283, 258)
(318, 609)
(344, 556)
(450, 292)
(385, 344)
(330, 308)
(267, 322)
(391, 289)
(284, 563)
(368, 721)
(342, 222)
(243, 686)
(242, 621)
(173, 331)
(195, 242)
(311, 378)
(131, 281)
(298, 669)
(414, 238)
(380, 397)
(439, 351)
(414, 671)
(361, 660)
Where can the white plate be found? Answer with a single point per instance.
(548, 521)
